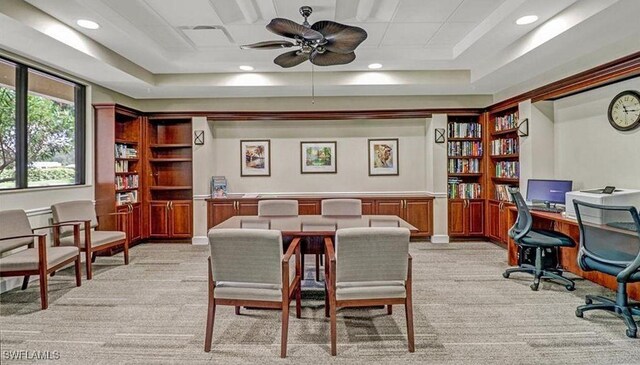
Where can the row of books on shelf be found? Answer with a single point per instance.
(127, 197)
(504, 146)
(125, 151)
(509, 121)
(464, 148)
(456, 189)
(464, 130)
(464, 166)
(122, 166)
(502, 193)
(508, 169)
(126, 182)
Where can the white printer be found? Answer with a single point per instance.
(620, 197)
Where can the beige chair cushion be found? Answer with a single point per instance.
(28, 259)
(80, 210)
(341, 207)
(14, 223)
(98, 238)
(276, 208)
(370, 290)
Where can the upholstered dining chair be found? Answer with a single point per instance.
(369, 267)
(343, 207)
(19, 257)
(277, 208)
(247, 268)
(92, 240)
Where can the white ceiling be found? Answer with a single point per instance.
(149, 48)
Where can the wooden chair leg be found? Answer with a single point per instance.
(317, 267)
(88, 264)
(237, 310)
(126, 252)
(326, 300)
(93, 257)
(332, 309)
(285, 330)
(298, 301)
(53, 273)
(211, 314)
(78, 271)
(44, 300)
(389, 309)
(408, 308)
(302, 266)
(25, 282)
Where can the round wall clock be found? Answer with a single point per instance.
(624, 111)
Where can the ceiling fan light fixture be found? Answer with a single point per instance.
(87, 24)
(375, 66)
(246, 68)
(527, 19)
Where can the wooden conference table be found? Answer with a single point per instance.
(568, 256)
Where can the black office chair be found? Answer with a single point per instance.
(613, 249)
(545, 242)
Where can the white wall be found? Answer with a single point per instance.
(587, 149)
(537, 150)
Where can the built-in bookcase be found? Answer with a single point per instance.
(504, 166)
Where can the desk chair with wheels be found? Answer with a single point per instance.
(612, 251)
(543, 241)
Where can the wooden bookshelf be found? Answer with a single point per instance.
(465, 172)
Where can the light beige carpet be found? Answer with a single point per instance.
(153, 311)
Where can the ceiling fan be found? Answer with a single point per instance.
(325, 43)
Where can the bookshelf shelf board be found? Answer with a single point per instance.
(470, 156)
(127, 159)
(125, 190)
(505, 179)
(125, 141)
(170, 145)
(469, 174)
(180, 187)
(504, 131)
(127, 173)
(464, 139)
(505, 157)
(169, 160)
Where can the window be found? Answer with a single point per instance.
(41, 128)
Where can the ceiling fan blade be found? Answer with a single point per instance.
(340, 38)
(291, 29)
(329, 58)
(268, 45)
(290, 59)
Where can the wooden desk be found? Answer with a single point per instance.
(568, 255)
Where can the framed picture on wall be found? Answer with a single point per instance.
(255, 157)
(318, 157)
(383, 157)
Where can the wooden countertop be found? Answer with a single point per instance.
(328, 196)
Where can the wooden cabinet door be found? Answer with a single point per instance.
(503, 224)
(495, 218)
(308, 206)
(135, 223)
(181, 219)
(390, 207)
(368, 207)
(457, 217)
(220, 211)
(159, 219)
(475, 211)
(247, 207)
(418, 214)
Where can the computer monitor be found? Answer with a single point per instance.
(548, 191)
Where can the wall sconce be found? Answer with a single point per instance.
(198, 137)
(523, 128)
(440, 135)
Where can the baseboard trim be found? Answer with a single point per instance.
(440, 238)
(199, 240)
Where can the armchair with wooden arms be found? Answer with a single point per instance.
(369, 267)
(16, 232)
(92, 240)
(247, 268)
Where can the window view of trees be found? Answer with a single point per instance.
(50, 152)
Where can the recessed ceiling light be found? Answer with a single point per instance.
(375, 66)
(88, 24)
(527, 19)
(246, 68)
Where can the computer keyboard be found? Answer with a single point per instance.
(546, 209)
